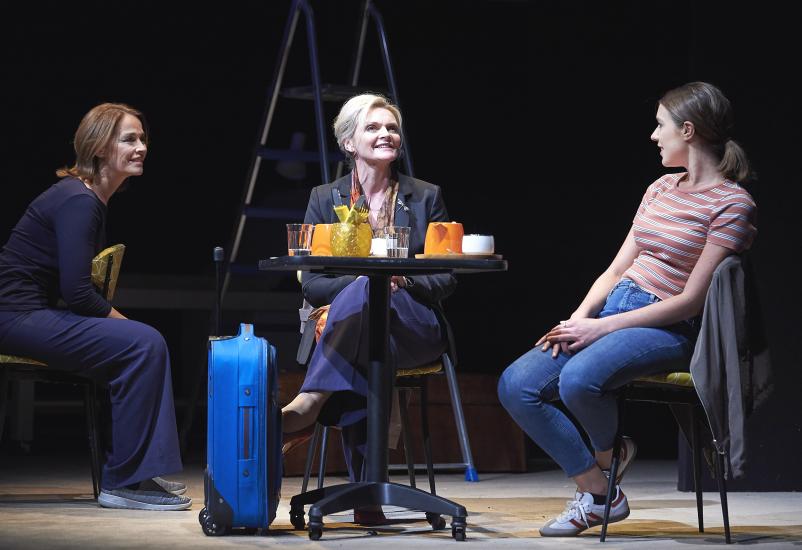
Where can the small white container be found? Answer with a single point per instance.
(478, 244)
(378, 247)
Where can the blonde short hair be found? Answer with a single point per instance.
(353, 113)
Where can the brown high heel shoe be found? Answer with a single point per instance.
(291, 440)
(370, 517)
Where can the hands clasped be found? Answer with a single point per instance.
(397, 282)
(572, 335)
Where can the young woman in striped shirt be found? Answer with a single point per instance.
(640, 316)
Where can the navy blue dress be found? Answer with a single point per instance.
(47, 259)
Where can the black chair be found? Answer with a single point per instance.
(407, 382)
(105, 271)
(677, 389)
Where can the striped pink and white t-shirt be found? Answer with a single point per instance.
(672, 227)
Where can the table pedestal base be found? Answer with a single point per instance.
(348, 496)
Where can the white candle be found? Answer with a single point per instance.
(378, 246)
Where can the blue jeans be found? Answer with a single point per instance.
(586, 381)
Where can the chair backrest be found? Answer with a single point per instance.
(106, 269)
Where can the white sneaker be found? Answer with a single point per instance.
(581, 514)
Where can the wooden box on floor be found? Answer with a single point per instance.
(496, 441)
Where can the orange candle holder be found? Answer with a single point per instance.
(443, 238)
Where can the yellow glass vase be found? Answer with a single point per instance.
(349, 239)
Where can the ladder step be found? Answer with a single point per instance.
(300, 156)
(328, 92)
(268, 213)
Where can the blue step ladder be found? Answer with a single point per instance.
(319, 92)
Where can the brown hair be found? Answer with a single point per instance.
(94, 134)
(710, 112)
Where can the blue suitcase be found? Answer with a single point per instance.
(243, 465)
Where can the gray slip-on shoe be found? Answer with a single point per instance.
(175, 487)
(130, 499)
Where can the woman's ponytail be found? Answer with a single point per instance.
(734, 165)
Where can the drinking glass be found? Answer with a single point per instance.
(299, 239)
(397, 240)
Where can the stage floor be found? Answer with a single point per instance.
(46, 503)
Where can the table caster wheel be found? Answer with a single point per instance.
(458, 526)
(315, 531)
(297, 519)
(436, 521)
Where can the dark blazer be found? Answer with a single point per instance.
(417, 204)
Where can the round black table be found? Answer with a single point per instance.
(376, 489)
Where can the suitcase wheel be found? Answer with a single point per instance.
(210, 528)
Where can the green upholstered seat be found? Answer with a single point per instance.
(14, 360)
(669, 378)
(431, 368)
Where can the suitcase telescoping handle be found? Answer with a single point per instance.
(219, 256)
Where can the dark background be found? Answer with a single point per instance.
(534, 117)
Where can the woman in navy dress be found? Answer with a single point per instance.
(47, 259)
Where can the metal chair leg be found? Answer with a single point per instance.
(613, 470)
(324, 448)
(722, 490)
(311, 452)
(611, 487)
(3, 399)
(404, 413)
(427, 440)
(21, 413)
(696, 453)
(93, 436)
(459, 418)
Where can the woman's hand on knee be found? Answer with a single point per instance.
(555, 346)
(575, 334)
